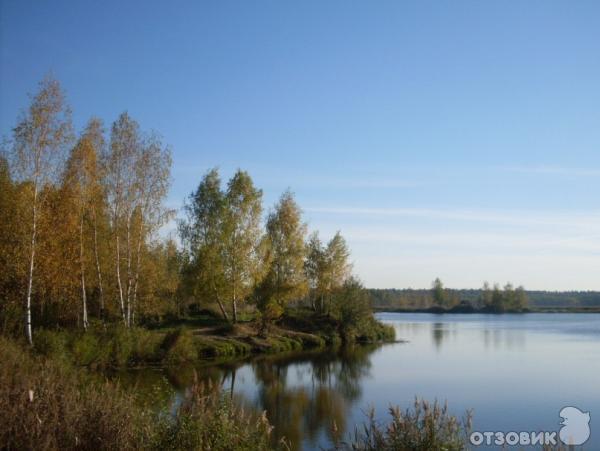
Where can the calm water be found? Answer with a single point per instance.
(515, 371)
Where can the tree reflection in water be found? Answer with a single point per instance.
(304, 394)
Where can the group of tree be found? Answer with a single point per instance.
(488, 298)
(229, 258)
(79, 241)
(79, 219)
(491, 299)
(501, 300)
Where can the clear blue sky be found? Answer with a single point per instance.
(450, 139)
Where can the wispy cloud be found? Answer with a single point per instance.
(477, 241)
(526, 218)
(556, 170)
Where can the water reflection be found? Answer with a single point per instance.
(307, 396)
(441, 332)
(502, 366)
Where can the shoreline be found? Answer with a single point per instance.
(441, 311)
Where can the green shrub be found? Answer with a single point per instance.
(121, 344)
(375, 331)
(85, 348)
(215, 347)
(178, 347)
(146, 345)
(52, 344)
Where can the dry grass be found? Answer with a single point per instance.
(425, 427)
(49, 405)
(45, 405)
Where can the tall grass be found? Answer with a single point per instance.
(206, 420)
(423, 427)
(47, 404)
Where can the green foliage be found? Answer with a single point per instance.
(115, 346)
(327, 269)
(178, 347)
(488, 298)
(437, 293)
(86, 349)
(285, 279)
(120, 342)
(222, 237)
(352, 311)
(52, 344)
(225, 347)
(146, 345)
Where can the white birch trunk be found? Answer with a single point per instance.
(28, 328)
(137, 269)
(82, 263)
(98, 269)
(119, 283)
(128, 296)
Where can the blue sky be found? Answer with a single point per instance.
(450, 139)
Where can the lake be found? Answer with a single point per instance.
(514, 371)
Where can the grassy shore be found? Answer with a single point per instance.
(199, 337)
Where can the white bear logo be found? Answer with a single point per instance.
(576, 428)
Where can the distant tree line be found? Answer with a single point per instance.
(489, 298)
(421, 298)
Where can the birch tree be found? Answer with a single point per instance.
(314, 269)
(327, 268)
(202, 234)
(121, 185)
(285, 279)
(94, 135)
(336, 266)
(242, 238)
(40, 138)
(82, 179)
(153, 176)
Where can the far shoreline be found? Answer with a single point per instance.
(460, 309)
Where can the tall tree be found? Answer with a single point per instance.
(485, 298)
(202, 236)
(508, 297)
(153, 175)
(242, 238)
(285, 279)
(438, 293)
(94, 138)
(327, 268)
(40, 139)
(337, 268)
(521, 299)
(13, 255)
(83, 181)
(314, 268)
(497, 299)
(122, 190)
